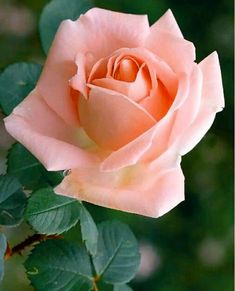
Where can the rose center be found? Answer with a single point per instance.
(126, 70)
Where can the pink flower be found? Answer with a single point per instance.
(119, 103)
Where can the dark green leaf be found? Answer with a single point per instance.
(59, 265)
(54, 13)
(89, 231)
(16, 82)
(12, 201)
(121, 287)
(3, 247)
(101, 285)
(50, 213)
(30, 172)
(117, 257)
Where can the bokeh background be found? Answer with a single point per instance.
(190, 248)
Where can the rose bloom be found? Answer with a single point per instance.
(118, 103)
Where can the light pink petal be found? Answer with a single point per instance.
(112, 84)
(141, 87)
(111, 119)
(139, 190)
(188, 111)
(158, 103)
(213, 93)
(212, 102)
(129, 154)
(46, 135)
(99, 70)
(178, 53)
(153, 142)
(78, 81)
(168, 23)
(110, 31)
(59, 68)
(196, 131)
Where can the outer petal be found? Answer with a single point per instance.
(46, 135)
(176, 52)
(213, 93)
(59, 68)
(110, 31)
(168, 23)
(137, 190)
(78, 81)
(212, 102)
(188, 111)
(111, 119)
(97, 33)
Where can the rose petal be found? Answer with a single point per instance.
(111, 119)
(99, 70)
(137, 189)
(212, 102)
(127, 70)
(176, 52)
(212, 82)
(158, 69)
(110, 31)
(59, 68)
(188, 111)
(46, 135)
(158, 103)
(168, 23)
(79, 80)
(135, 90)
(153, 142)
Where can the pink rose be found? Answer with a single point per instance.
(119, 103)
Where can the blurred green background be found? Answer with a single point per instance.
(190, 248)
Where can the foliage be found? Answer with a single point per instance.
(206, 216)
(117, 256)
(12, 201)
(29, 171)
(49, 213)
(89, 231)
(59, 265)
(3, 244)
(16, 82)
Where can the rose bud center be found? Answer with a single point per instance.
(127, 70)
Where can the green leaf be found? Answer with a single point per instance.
(50, 213)
(59, 265)
(12, 201)
(101, 285)
(117, 257)
(16, 82)
(3, 247)
(122, 287)
(30, 172)
(89, 231)
(54, 13)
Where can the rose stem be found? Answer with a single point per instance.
(36, 238)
